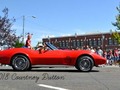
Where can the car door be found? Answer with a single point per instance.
(51, 57)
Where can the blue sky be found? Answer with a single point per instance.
(56, 18)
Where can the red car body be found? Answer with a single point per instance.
(50, 57)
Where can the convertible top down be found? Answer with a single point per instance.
(24, 59)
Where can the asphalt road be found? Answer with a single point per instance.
(100, 78)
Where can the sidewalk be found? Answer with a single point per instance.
(117, 66)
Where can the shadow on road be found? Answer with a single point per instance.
(48, 70)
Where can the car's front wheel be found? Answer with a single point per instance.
(85, 64)
(20, 63)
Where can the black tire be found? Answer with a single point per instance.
(76, 66)
(85, 64)
(20, 63)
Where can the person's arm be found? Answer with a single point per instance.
(29, 44)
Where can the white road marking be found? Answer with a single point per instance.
(51, 87)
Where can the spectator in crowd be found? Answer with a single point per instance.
(110, 57)
(87, 47)
(105, 55)
(100, 52)
(119, 54)
(116, 56)
(93, 50)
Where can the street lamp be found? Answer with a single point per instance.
(24, 27)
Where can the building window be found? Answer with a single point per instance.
(90, 42)
(67, 43)
(60, 44)
(99, 42)
(82, 43)
(110, 41)
(87, 42)
(78, 43)
(74, 43)
(94, 42)
(115, 42)
(63, 44)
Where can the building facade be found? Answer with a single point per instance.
(103, 40)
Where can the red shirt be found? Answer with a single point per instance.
(28, 43)
(116, 53)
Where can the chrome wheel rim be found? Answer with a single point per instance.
(85, 64)
(20, 63)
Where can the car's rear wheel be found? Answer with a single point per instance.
(85, 64)
(20, 63)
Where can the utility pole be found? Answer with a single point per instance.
(23, 33)
(23, 29)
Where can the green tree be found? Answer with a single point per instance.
(18, 44)
(116, 34)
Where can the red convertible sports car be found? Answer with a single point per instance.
(24, 59)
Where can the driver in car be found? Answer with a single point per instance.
(42, 48)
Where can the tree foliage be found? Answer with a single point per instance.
(7, 35)
(18, 44)
(116, 34)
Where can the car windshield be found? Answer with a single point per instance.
(52, 47)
